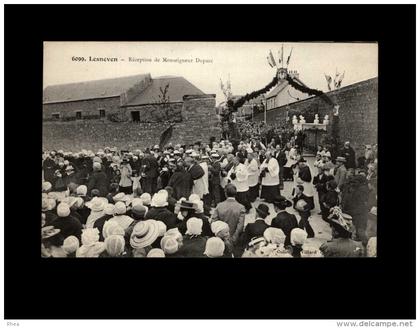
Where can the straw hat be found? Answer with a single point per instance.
(144, 234)
(156, 252)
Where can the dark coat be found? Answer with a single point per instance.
(83, 212)
(72, 178)
(350, 156)
(255, 229)
(50, 216)
(214, 173)
(281, 158)
(150, 167)
(309, 202)
(181, 182)
(330, 198)
(286, 222)
(193, 246)
(206, 230)
(305, 174)
(196, 172)
(99, 223)
(320, 182)
(49, 167)
(162, 214)
(98, 180)
(69, 226)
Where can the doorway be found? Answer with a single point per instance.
(135, 116)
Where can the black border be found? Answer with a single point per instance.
(382, 288)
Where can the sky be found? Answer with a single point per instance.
(245, 63)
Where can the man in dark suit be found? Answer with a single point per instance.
(257, 228)
(349, 154)
(281, 158)
(98, 180)
(304, 211)
(149, 174)
(194, 169)
(284, 220)
(320, 183)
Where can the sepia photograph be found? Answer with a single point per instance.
(209, 149)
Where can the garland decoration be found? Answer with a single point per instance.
(254, 94)
(309, 91)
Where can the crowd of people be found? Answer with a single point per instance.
(191, 201)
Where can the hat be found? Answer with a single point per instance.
(51, 204)
(46, 186)
(214, 247)
(215, 155)
(114, 245)
(256, 240)
(69, 168)
(146, 198)
(298, 236)
(340, 159)
(176, 152)
(282, 202)
(92, 250)
(112, 228)
(159, 200)
(120, 197)
(81, 190)
(174, 232)
(185, 205)
(162, 228)
(204, 157)
(109, 209)
(156, 252)
(63, 210)
(301, 205)
(340, 220)
(274, 235)
(96, 166)
(263, 210)
(120, 208)
(97, 204)
(194, 226)
(144, 234)
(169, 244)
(301, 160)
(218, 226)
(45, 205)
(70, 201)
(194, 198)
(136, 201)
(90, 236)
(71, 244)
(49, 231)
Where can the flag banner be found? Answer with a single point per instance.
(166, 136)
(269, 63)
(329, 80)
(288, 58)
(272, 59)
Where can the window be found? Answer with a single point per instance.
(102, 113)
(78, 115)
(135, 116)
(56, 116)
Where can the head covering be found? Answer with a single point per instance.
(90, 236)
(194, 226)
(218, 226)
(63, 210)
(92, 250)
(120, 197)
(174, 232)
(81, 190)
(45, 205)
(96, 166)
(114, 245)
(164, 192)
(46, 186)
(49, 231)
(71, 244)
(298, 236)
(139, 210)
(169, 244)
(263, 210)
(97, 204)
(51, 204)
(162, 228)
(281, 202)
(144, 233)
(340, 159)
(120, 208)
(146, 198)
(156, 252)
(194, 198)
(159, 200)
(214, 247)
(136, 201)
(274, 236)
(340, 220)
(301, 204)
(112, 228)
(109, 209)
(187, 205)
(70, 201)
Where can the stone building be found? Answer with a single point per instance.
(126, 112)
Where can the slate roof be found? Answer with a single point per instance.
(280, 87)
(178, 88)
(91, 89)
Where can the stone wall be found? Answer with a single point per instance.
(199, 123)
(358, 112)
